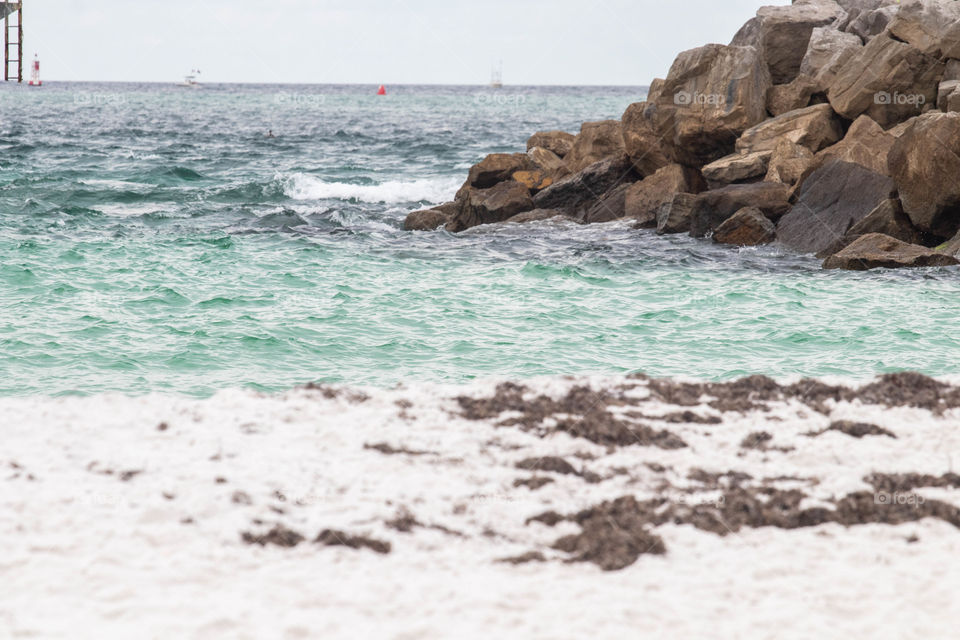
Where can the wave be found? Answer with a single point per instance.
(300, 186)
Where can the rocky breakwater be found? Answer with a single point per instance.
(831, 127)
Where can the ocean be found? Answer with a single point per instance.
(153, 238)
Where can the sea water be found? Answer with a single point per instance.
(156, 238)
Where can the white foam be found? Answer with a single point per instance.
(301, 186)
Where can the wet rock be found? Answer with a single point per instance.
(557, 142)
(496, 204)
(746, 228)
(711, 95)
(712, 208)
(573, 193)
(644, 199)
(596, 141)
(612, 206)
(642, 140)
(536, 215)
(674, 216)
(782, 34)
(900, 82)
(925, 163)
(835, 197)
(876, 250)
(428, 219)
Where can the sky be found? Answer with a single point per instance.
(540, 42)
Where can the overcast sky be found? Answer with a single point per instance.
(623, 42)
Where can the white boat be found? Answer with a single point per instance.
(190, 80)
(496, 77)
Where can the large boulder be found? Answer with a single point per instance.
(486, 206)
(827, 52)
(497, 167)
(945, 94)
(430, 219)
(782, 34)
(798, 94)
(925, 162)
(932, 26)
(712, 208)
(748, 227)
(866, 144)
(835, 197)
(711, 95)
(574, 192)
(559, 142)
(674, 216)
(888, 218)
(876, 250)
(814, 127)
(611, 206)
(870, 23)
(737, 167)
(548, 162)
(788, 163)
(889, 80)
(951, 247)
(643, 199)
(597, 140)
(642, 141)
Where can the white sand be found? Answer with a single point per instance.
(85, 554)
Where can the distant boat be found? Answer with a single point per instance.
(496, 77)
(190, 80)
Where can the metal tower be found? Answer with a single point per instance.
(7, 10)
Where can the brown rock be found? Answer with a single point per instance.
(674, 216)
(611, 206)
(426, 220)
(952, 247)
(888, 218)
(712, 208)
(782, 34)
(945, 91)
(876, 250)
(748, 227)
(643, 199)
(925, 162)
(782, 98)
(711, 95)
(497, 167)
(558, 142)
(549, 162)
(814, 127)
(496, 204)
(533, 180)
(576, 192)
(788, 162)
(737, 167)
(868, 23)
(900, 81)
(597, 141)
(642, 141)
(827, 52)
(835, 197)
(932, 26)
(536, 216)
(866, 144)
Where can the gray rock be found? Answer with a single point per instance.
(834, 198)
(575, 192)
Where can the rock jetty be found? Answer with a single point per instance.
(831, 127)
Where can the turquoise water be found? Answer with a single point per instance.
(153, 239)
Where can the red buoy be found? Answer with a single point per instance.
(382, 91)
